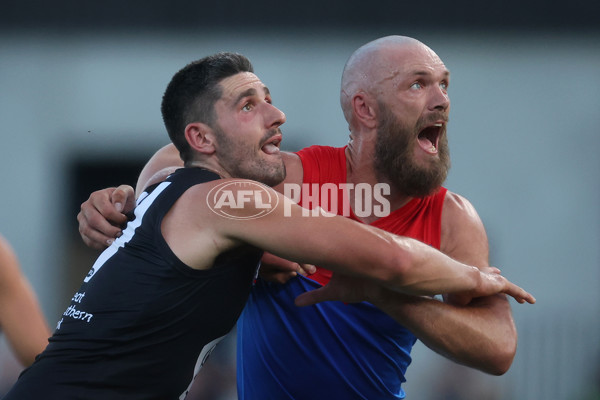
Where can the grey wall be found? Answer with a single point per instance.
(523, 135)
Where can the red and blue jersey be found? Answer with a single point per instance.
(331, 350)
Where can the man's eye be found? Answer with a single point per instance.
(247, 107)
(444, 85)
(416, 85)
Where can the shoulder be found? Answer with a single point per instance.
(457, 206)
(463, 232)
(235, 198)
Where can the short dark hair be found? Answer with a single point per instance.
(193, 92)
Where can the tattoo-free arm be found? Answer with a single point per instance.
(21, 318)
(480, 334)
(399, 263)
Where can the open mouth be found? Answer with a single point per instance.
(271, 146)
(429, 137)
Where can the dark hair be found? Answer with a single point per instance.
(193, 92)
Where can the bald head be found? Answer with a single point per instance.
(373, 67)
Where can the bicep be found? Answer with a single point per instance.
(299, 235)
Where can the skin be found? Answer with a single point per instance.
(21, 318)
(197, 235)
(412, 81)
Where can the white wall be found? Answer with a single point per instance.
(523, 138)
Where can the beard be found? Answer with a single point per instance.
(395, 161)
(241, 161)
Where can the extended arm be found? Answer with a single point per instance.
(400, 263)
(21, 318)
(480, 334)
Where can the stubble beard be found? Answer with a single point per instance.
(395, 161)
(242, 162)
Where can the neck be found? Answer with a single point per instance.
(360, 168)
(209, 167)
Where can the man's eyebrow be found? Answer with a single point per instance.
(250, 92)
(245, 93)
(446, 73)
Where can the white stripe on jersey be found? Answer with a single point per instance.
(142, 206)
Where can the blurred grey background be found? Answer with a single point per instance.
(80, 91)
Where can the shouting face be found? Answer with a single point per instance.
(411, 86)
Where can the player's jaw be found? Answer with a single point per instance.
(260, 161)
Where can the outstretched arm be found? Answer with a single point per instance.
(479, 333)
(293, 233)
(21, 318)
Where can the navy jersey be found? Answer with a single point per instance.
(142, 323)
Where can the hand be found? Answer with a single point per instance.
(341, 288)
(493, 282)
(277, 269)
(462, 299)
(102, 215)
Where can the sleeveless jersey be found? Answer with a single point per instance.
(142, 323)
(331, 350)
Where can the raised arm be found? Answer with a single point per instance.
(21, 318)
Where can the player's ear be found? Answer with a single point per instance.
(363, 107)
(200, 137)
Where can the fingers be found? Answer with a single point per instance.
(101, 202)
(277, 269)
(312, 297)
(123, 199)
(99, 220)
(515, 291)
(306, 269)
(94, 238)
(493, 283)
(279, 277)
(519, 294)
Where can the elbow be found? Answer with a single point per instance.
(501, 358)
(501, 364)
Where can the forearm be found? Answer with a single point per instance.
(24, 324)
(481, 335)
(163, 162)
(427, 271)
